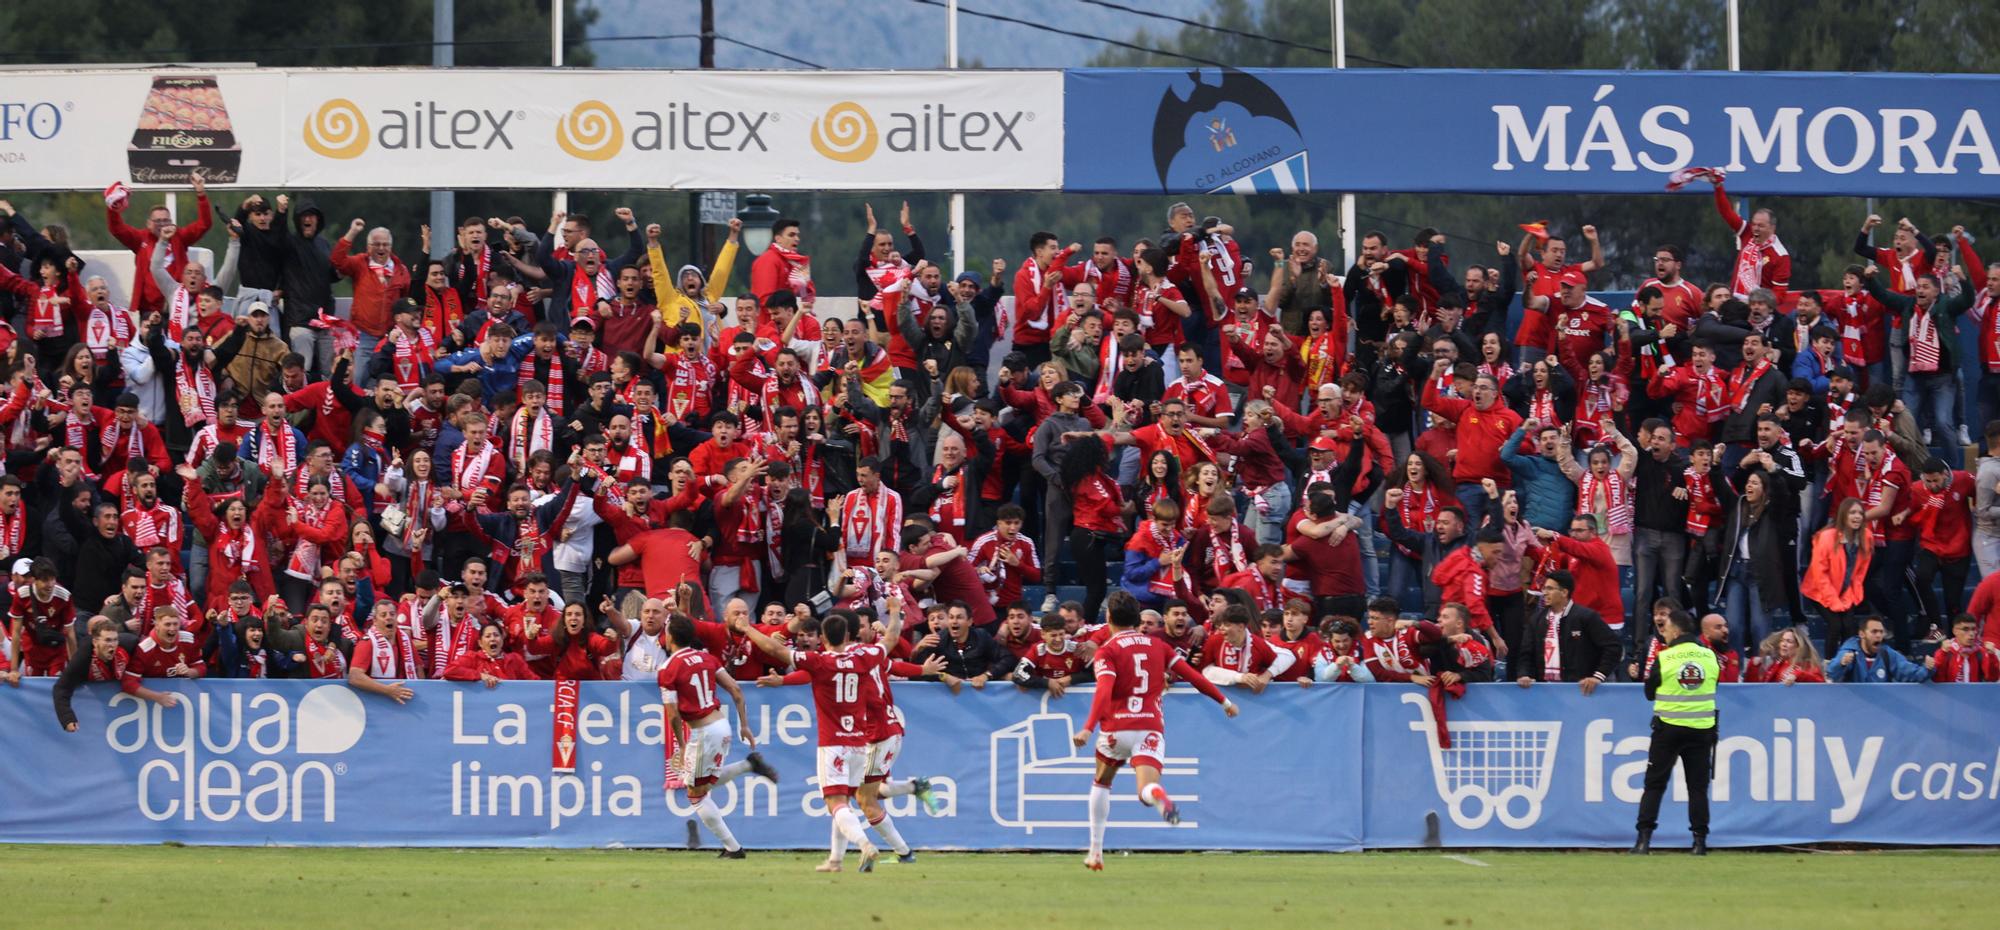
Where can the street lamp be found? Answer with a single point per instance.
(757, 215)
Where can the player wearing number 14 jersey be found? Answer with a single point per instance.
(1132, 671)
(840, 702)
(687, 695)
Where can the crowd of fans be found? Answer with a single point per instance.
(517, 460)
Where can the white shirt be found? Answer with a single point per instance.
(573, 554)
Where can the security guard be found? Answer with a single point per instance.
(1682, 689)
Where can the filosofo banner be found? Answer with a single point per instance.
(1525, 132)
(578, 129)
(1328, 768)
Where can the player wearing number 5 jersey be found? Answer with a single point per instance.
(687, 694)
(1132, 671)
(840, 701)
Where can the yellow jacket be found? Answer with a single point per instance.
(677, 308)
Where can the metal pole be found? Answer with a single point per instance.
(556, 61)
(698, 232)
(443, 203)
(1349, 241)
(957, 220)
(1735, 37)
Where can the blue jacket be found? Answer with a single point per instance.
(496, 379)
(1140, 569)
(1806, 365)
(1887, 665)
(1548, 497)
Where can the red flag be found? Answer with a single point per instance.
(567, 692)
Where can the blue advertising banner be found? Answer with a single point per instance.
(305, 763)
(1327, 768)
(1520, 132)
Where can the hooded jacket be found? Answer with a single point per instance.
(677, 308)
(308, 272)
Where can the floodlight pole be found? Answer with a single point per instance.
(1348, 242)
(957, 218)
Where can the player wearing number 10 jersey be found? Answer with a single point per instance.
(840, 702)
(1132, 670)
(687, 694)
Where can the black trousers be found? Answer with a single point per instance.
(1695, 750)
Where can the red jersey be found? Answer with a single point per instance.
(884, 720)
(1580, 333)
(1399, 656)
(1003, 581)
(1132, 670)
(1944, 517)
(1055, 663)
(690, 675)
(1304, 650)
(840, 697)
(1160, 326)
(515, 620)
(153, 660)
(1681, 302)
(1205, 397)
(1253, 656)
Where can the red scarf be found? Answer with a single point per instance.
(109, 441)
(1708, 396)
(13, 530)
(948, 510)
(1155, 540)
(443, 310)
(239, 548)
(336, 485)
(584, 289)
(1925, 349)
(106, 330)
(278, 444)
(324, 659)
(1743, 380)
(1873, 483)
(1542, 406)
(1698, 518)
(1617, 495)
(305, 561)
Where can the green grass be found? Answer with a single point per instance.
(164, 887)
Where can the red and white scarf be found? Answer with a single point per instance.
(554, 382)
(305, 561)
(629, 462)
(1709, 406)
(13, 530)
(324, 659)
(947, 512)
(1925, 348)
(1745, 378)
(108, 441)
(525, 438)
(1749, 271)
(1873, 482)
(194, 384)
(1700, 504)
(1615, 492)
(1226, 555)
(45, 321)
(1542, 407)
(180, 313)
(278, 444)
(469, 466)
(388, 659)
(1166, 581)
(106, 330)
(336, 485)
(585, 288)
(414, 357)
(866, 524)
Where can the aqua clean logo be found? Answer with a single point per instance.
(219, 758)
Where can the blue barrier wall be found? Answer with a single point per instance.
(1521, 132)
(1330, 768)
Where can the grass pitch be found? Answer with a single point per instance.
(167, 887)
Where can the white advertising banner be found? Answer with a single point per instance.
(79, 130)
(576, 129)
(676, 129)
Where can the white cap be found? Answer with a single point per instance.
(23, 566)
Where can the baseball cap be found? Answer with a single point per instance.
(409, 306)
(1243, 292)
(23, 566)
(256, 307)
(1323, 444)
(1571, 278)
(583, 321)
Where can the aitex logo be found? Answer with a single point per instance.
(845, 134)
(591, 132)
(337, 129)
(341, 129)
(848, 132)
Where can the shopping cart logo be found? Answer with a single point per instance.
(1494, 768)
(1040, 780)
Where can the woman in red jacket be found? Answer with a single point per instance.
(1785, 658)
(316, 528)
(490, 663)
(1097, 514)
(572, 651)
(239, 542)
